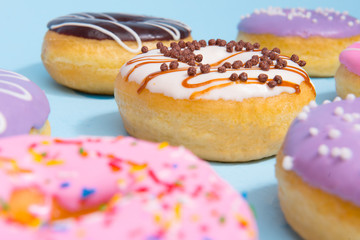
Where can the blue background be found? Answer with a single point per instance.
(23, 25)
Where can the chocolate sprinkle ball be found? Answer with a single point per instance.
(262, 77)
(221, 69)
(233, 77)
(264, 59)
(191, 71)
(278, 79)
(227, 65)
(163, 67)
(294, 58)
(237, 64)
(264, 66)
(272, 84)
(243, 76)
(205, 68)
(159, 45)
(199, 58)
(174, 65)
(212, 42)
(144, 49)
(302, 63)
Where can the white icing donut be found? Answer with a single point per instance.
(225, 102)
(171, 83)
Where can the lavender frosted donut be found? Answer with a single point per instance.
(347, 77)
(317, 35)
(319, 171)
(24, 107)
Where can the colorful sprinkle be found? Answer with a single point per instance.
(86, 192)
(54, 162)
(64, 185)
(163, 145)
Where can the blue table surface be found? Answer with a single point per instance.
(23, 25)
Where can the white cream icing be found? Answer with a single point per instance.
(14, 88)
(2, 123)
(170, 84)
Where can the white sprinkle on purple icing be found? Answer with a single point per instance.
(313, 131)
(300, 22)
(302, 116)
(350, 97)
(312, 104)
(288, 163)
(323, 150)
(336, 99)
(327, 158)
(334, 133)
(338, 111)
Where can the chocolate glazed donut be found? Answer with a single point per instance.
(119, 27)
(85, 51)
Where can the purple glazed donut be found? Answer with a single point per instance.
(317, 35)
(24, 107)
(319, 171)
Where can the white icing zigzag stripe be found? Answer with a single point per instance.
(25, 95)
(2, 123)
(175, 33)
(110, 34)
(5, 73)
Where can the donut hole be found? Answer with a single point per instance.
(29, 205)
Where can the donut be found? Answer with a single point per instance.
(225, 102)
(114, 188)
(24, 107)
(317, 35)
(85, 51)
(318, 171)
(347, 77)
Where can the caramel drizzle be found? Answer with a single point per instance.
(202, 92)
(154, 75)
(186, 84)
(144, 63)
(141, 59)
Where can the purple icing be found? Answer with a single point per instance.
(335, 166)
(300, 22)
(23, 105)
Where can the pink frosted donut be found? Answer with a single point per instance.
(140, 190)
(347, 76)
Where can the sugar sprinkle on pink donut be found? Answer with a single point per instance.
(152, 191)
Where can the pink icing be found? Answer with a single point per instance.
(350, 57)
(157, 191)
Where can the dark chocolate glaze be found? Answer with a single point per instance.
(137, 23)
